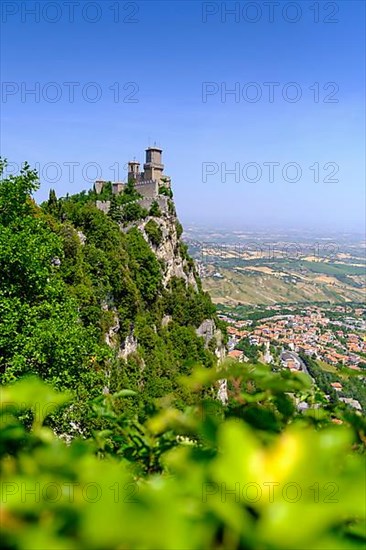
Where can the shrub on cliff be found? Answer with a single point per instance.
(154, 232)
(155, 210)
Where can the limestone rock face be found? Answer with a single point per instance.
(128, 346)
(220, 350)
(111, 336)
(174, 263)
(206, 330)
(222, 394)
(169, 252)
(81, 237)
(166, 320)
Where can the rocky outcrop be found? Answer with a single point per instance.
(209, 332)
(166, 320)
(206, 330)
(222, 394)
(169, 250)
(111, 336)
(129, 346)
(175, 262)
(81, 237)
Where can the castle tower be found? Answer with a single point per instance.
(133, 170)
(153, 168)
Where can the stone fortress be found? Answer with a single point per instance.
(147, 183)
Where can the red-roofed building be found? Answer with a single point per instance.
(236, 354)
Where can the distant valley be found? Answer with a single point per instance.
(255, 268)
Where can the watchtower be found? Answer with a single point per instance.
(133, 170)
(153, 168)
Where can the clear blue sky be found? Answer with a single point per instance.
(168, 50)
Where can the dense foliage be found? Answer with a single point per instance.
(163, 190)
(207, 478)
(155, 209)
(154, 232)
(72, 282)
(352, 385)
(250, 351)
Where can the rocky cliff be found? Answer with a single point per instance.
(163, 233)
(135, 283)
(169, 251)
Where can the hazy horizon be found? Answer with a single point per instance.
(257, 227)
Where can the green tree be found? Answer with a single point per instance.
(155, 210)
(154, 232)
(15, 193)
(52, 202)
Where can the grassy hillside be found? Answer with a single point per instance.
(280, 284)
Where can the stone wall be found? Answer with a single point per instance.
(145, 202)
(147, 189)
(162, 201)
(104, 206)
(99, 186)
(117, 187)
